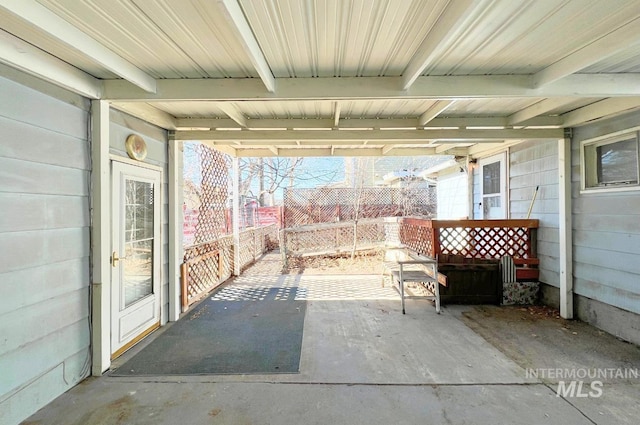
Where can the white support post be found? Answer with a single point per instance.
(566, 239)
(176, 222)
(236, 217)
(470, 168)
(101, 238)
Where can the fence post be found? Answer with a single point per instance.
(184, 281)
(283, 247)
(236, 217)
(436, 240)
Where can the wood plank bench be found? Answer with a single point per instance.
(404, 265)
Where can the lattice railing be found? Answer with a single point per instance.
(205, 266)
(333, 238)
(210, 264)
(255, 242)
(471, 238)
(328, 205)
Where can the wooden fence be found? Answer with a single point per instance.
(207, 265)
(476, 239)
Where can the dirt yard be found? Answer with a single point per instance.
(537, 337)
(368, 262)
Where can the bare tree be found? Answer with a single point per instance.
(269, 175)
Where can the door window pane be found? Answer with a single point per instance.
(492, 207)
(138, 263)
(491, 178)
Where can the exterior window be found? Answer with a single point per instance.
(611, 163)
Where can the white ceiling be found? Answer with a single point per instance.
(339, 77)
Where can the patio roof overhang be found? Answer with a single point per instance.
(415, 78)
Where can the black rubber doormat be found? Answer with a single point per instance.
(226, 337)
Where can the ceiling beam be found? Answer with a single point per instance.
(387, 148)
(538, 109)
(454, 19)
(336, 115)
(370, 136)
(452, 149)
(148, 113)
(339, 152)
(237, 19)
(485, 149)
(602, 48)
(436, 109)
(600, 109)
(54, 26)
(377, 88)
(234, 113)
(28, 58)
(543, 121)
(224, 149)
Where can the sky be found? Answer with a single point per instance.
(312, 172)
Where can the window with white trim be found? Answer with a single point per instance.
(611, 163)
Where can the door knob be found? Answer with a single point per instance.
(115, 259)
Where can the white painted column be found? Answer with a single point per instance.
(100, 238)
(566, 239)
(176, 223)
(236, 216)
(470, 167)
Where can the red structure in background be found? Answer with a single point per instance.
(251, 216)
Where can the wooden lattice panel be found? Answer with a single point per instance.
(417, 237)
(255, 242)
(213, 195)
(329, 205)
(485, 242)
(330, 238)
(205, 266)
(470, 238)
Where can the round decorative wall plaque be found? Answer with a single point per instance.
(136, 147)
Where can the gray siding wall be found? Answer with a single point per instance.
(44, 246)
(606, 230)
(453, 189)
(534, 164)
(121, 126)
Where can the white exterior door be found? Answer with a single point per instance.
(493, 186)
(135, 258)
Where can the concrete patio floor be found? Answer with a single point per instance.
(363, 362)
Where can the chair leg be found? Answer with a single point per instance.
(402, 295)
(437, 288)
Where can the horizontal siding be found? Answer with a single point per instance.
(531, 165)
(44, 240)
(28, 363)
(18, 176)
(49, 385)
(23, 143)
(26, 287)
(606, 231)
(23, 250)
(24, 212)
(453, 196)
(29, 324)
(27, 107)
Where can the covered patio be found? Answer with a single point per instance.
(528, 100)
(363, 362)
